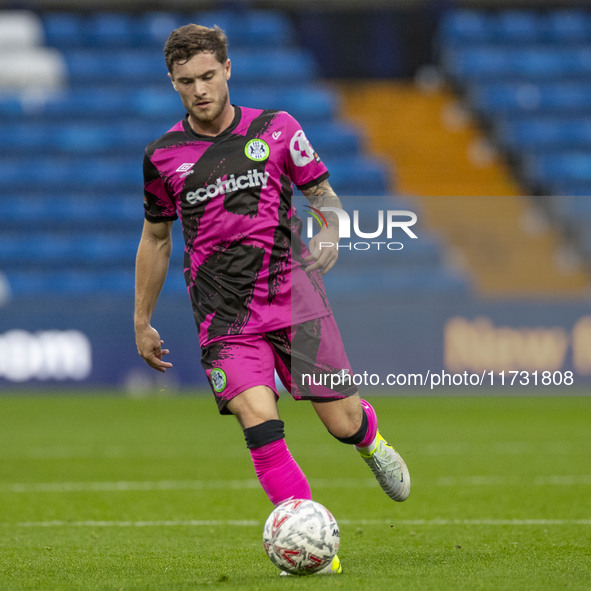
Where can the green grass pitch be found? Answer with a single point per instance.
(104, 492)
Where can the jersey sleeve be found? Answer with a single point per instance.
(304, 167)
(158, 204)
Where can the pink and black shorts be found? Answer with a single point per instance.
(309, 358)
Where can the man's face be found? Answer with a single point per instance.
(202, 83)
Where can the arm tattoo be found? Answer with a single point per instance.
(322, 195)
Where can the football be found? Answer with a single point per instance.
(301, 536)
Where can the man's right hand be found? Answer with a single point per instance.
(149, 346)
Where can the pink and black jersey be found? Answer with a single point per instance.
(233, 193)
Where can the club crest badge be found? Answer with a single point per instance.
(218, 379)
(257, 150)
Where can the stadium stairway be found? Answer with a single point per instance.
(443, 160)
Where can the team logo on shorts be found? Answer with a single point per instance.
(218, 379)
(257, 150)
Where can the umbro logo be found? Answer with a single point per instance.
(276, 135)
(185, 169)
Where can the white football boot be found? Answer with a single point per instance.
(388, 468)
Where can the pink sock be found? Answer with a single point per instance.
(279, 474)
(372, 424)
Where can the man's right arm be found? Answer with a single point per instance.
(151, 268)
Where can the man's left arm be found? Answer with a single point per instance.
(323, 246)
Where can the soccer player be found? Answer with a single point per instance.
(255, 288)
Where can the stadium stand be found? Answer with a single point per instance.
(72, 142)
(526, 75)
(469, 199)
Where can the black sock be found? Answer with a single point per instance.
(357, 437)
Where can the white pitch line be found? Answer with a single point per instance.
(510, 448)
(163, 523)
(457, 448)
(553, 480)
(318, 483)
(556, 479)
(255, 523)
(122, 486)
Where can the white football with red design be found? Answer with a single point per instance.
(301, 536)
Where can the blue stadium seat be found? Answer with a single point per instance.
(39, 248)
(498, 62)
(11, 105)
(566, 97)
(20, 136)
(470, 27)
(500, 98)
(67, 30)
(85, 103)
(111, 103)
(481, 63)
(282, 65)
(542, 133)
(558, 167)
(71, 172)
(82, 282)
(159, 102)
(84, 139)
(568, 26)
(117, 172)
(154, 27)
(79, 137)
(250, 28)
(535, 63)
(269, 27)
(51, 248)
(358, 176)
(23, 283)
(514, 98)
(462, 27)
(331, 140)
(107, 250)
(64, 29)
(518, 26)
(116, 65)
(307, 103)
(126, 67)
(61, 209)
(575, 189)
(233, 23)
(105, 29)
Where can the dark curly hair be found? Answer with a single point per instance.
(186, 41)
